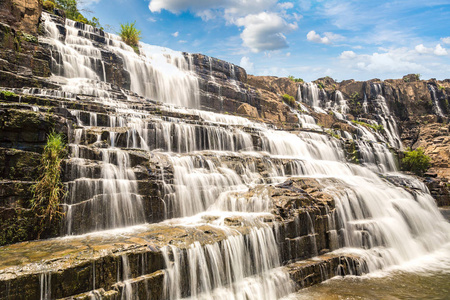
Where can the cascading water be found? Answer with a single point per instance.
(436, 107)
(214, 159)
(386, 118)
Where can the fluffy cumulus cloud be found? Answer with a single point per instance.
(327, 38)
(175, 34)
(347, 55)
(391, 60)
(446, 40)
(394, 62)
(264, 31)
(263, 21)
(438, 50)
(246, 64)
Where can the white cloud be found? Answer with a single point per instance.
(438, 50)
(288, 54)
(177, 6)
(150, 19)
(347, 55)
(263, 21)
(312, 36)
(446, 40)
(422, 49)
(246, 64)
(327, 39)
(286, 5)
(87, 3)
(264, 31)
(175, 34)
(182, 41)
(232, 8)
(388, 62)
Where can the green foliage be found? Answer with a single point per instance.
(374, 127)
(49, 190)
(406, 79)
(72, 12)
(354, 96)
(29, 38)
(49, 5)
(441, 88)
(417, 76)
(289, 100)
(416, 161)
(7, 94)
(292, 78)
(130, 34)
(320, 85)
(332, 133)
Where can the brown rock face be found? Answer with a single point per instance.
(22, 15)
(248, 110)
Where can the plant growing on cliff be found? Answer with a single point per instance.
(289, 100)
(49, 5)
(416, 161)
(292, 78)
(374, 127)
(49, 190)
(130, 35)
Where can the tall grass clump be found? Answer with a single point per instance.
(130, 35)
(49, 190)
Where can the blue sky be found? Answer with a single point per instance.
(307, 39)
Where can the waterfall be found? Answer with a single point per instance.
(159, 73)
(311, 94)
(223, 171)
(385, 116)
(436, 107)
(242, 267)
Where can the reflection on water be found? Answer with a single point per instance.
(428, 279)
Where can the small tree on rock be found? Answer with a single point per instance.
(130, 35)
(416, 161)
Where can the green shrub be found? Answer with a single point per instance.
(320, 85)
(292, 78)
(49, 190)
(289, 100)
(441, 88)
(49, 5)
(374, 127)
(130, 35)
(5, 94)
(416, 161)
(354, 96)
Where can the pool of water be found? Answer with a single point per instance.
(427, 278)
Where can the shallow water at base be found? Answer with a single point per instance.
(428, 279)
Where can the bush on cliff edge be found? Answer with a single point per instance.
(416, 161)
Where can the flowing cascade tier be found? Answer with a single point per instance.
(173, 202)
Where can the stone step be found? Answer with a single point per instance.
(309, 272)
